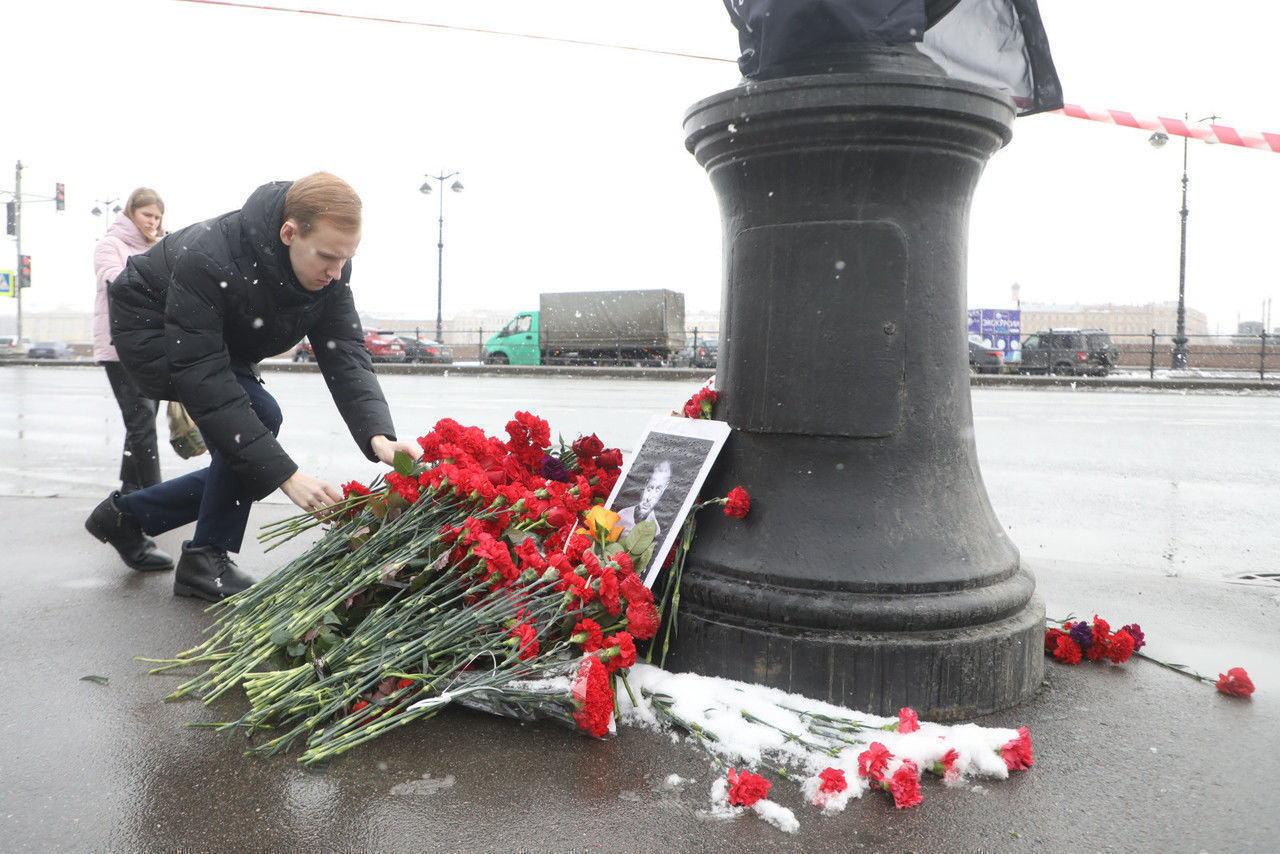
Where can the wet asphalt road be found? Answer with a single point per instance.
(1141, 507)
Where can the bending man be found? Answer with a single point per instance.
(191, 318)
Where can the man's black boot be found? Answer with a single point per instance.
(112, 525)
(209, 573)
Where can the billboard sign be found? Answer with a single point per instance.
(998, 328)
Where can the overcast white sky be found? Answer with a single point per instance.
(573, 156)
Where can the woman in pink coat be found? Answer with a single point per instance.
(134, 231)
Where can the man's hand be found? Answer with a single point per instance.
(310, 494)
(385, 449)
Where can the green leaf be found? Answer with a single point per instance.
(296, 649)
(280, 637)
(402, 463)
(639, 538)
(332, 619)
(101, 680)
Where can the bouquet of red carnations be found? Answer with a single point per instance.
(1078, 639)
(487, 573)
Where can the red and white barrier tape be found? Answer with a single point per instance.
(1177, 127)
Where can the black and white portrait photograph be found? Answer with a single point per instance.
(661, 481)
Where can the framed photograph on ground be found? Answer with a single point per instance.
(661, 481)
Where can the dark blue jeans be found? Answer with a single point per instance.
(213, 497)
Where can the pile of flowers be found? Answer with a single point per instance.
(1079, 639)
(488, 573)
(832, 753)
(1071, 641)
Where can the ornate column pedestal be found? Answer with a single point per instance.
(871, 571)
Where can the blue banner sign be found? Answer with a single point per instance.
(998, 328)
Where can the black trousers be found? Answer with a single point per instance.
(140, 462)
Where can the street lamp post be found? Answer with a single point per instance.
(425, 189)
(1179, 357)
(104, 209)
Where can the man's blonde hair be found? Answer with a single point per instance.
(322, 196)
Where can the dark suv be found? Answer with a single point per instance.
(1069, 351)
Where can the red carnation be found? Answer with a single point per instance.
(528, 641)
(355, 487)
(626, 651)
(904, 785)
(950, 773)
(592, 696)
(738, 503)
(632, 587)
(746, 788)
(594, 637)
(1051, 639)
(1235, 682)
(873, 761)
(405, 487)
(833, 781)
(609, 593)
(1068, 651)
(530, 557)
(907, 720)
(642, 619)
(1017, 753)
(610, 459)
(1097, 649)
(1121, 647)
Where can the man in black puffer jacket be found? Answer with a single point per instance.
(191, 318)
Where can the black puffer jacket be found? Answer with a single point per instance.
(209, 302)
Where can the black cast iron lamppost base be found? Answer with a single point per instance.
(871, 571)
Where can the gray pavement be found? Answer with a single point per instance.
(1130, 758)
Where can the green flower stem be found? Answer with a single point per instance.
(662, 703)
(789, 736)
(1178, 668)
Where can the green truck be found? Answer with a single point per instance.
(643, 327)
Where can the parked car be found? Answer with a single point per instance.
(49, 350)
(425, 350)
(1069, 351)
(384, 346)
(984, 359)
(704, 355)
(303, 352)
(11, 345)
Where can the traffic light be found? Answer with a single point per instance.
(60, 197)
(10, 218)
(24, 271)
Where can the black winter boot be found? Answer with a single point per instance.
(209, 573)
(112, 525)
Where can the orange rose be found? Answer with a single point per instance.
(600, 517)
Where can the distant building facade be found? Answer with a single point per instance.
(1115, 319)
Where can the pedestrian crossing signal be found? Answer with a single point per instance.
(11, 218)
(24, 271)
(60, 197)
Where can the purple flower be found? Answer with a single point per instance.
(1082, 633)
(1135, 632)
(553, 469)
